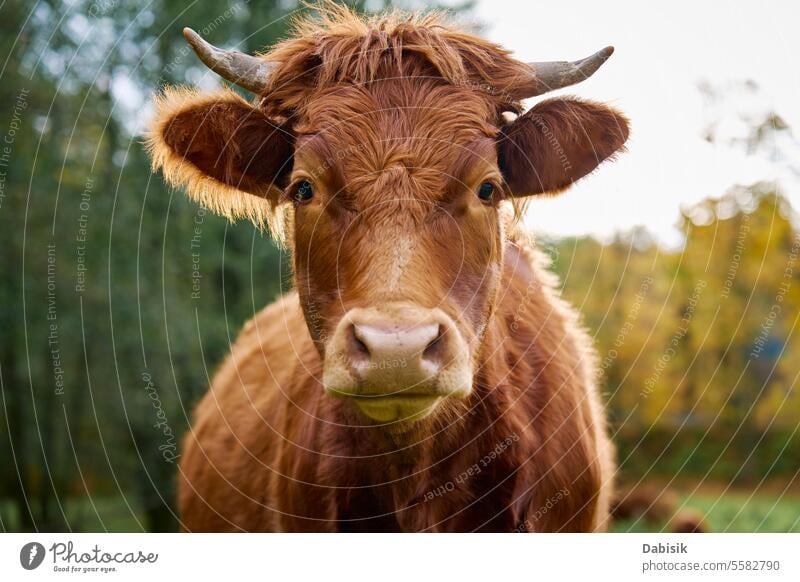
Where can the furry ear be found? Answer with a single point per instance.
(226, 154)
(558, 142)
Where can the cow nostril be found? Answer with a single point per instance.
(357, 348)
(433, 351)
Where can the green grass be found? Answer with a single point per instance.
(732, 512)
(735, 511)
(100, 515)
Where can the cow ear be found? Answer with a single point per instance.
(226, 154)
(558, 142)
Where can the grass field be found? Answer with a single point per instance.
(737, 511)
(732, 511)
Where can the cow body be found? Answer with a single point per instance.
(425, 375)
(269, 451)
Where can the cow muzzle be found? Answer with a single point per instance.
(397, 362)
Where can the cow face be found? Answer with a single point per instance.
(397, 192)
(397, 198)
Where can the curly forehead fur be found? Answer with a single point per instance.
(339, 46)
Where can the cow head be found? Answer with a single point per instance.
(389, 155)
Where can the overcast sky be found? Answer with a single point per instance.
(663, 51)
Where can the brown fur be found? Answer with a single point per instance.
(206, 143)
(269, 452)
(574, 136)
(397, 121)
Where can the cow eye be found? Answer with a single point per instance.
(303, 191)
(486, 191)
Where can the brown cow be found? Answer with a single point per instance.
(425, 375)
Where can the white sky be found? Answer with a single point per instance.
(663, 50)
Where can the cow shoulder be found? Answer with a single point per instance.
(228, 455)
(553, 365)
(261, 361)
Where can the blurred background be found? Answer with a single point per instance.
(120, 298)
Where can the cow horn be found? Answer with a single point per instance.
(548, 76)
(248, 72)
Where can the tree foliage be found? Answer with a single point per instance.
(698, 347)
